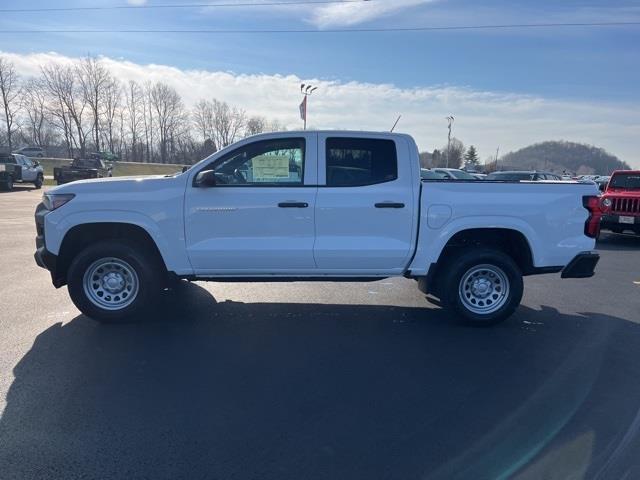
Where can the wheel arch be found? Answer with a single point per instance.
(80, 236)
(510, 241)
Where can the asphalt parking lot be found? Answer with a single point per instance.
(318, 381)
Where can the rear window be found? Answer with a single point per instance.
(353, 162)
(628, 181)
(8, 159)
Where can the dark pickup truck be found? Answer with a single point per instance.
(81, 169)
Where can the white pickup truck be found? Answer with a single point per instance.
(313, 206)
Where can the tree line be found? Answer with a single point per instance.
(81, 107)
(453, 155)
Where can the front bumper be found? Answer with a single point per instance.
(612, 222)
(43, 257)
(582, 266)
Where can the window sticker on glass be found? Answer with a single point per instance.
(267, 168)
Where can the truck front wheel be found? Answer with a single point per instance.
(8, 184)
(112, 282)
(483, 286)
(39, 181)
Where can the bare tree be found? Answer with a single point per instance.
(10, 91)
(94, 78)
(111, 99)
(169, 113)
(69, 103)
(228, 122)
(147, 119)
(135, 113)
(256, 125)
(455, 153)
(203, 119)
(37, 129)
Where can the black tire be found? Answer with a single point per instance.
(8, 184)
(39, 181)
(147, 269)
(459, 268)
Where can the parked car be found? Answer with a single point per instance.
(16, 168)
(428, 174)
(106, 156)
(81, 169)
(522, 176)
(340, 206)
(621, 202)
(454, 174)
(31, 152)
(602, 182)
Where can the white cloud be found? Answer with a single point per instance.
(346, 14)
(136, 2)
(485, 119)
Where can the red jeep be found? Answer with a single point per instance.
(621, 202)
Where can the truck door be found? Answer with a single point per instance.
(259, 216)
(28, 168)
(366, 208)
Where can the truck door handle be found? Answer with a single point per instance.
(293, 205)
(389, 205)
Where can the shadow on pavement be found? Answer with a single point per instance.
(617, 241)
(18, 187)
(298, 391)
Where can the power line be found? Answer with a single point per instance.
(173, 5)
(345, 30)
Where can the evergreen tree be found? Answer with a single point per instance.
(471, 157)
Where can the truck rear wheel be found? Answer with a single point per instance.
(113, 282)
(483, 286)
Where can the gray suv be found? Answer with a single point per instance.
(31, 152)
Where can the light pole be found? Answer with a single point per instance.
(305, 90)
(450, 120)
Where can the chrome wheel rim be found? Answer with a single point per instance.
(484, 289)
(111, 284)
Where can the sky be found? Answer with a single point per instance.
(506, 88)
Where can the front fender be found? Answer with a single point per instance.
(171, 247)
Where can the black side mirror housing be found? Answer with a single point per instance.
(184, 168)
(205, 179)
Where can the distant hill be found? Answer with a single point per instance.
(558, 156)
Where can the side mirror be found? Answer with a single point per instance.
(205, 179)
(36, 163)
(185, 168)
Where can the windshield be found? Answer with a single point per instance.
(426, 174)
(87, 163)
(509, 177)
(627, 181)
(461, 175)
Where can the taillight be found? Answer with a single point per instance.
(592, 225)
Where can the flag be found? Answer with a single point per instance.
(303, 109)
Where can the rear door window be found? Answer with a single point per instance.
(353, 162)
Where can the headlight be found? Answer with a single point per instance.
(53, 201)
(606, 203)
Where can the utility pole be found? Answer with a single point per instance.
(497, 155)
(450, 119)
(305, 90)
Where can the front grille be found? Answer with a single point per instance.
(626, 205)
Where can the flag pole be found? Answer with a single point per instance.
(306, 90)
